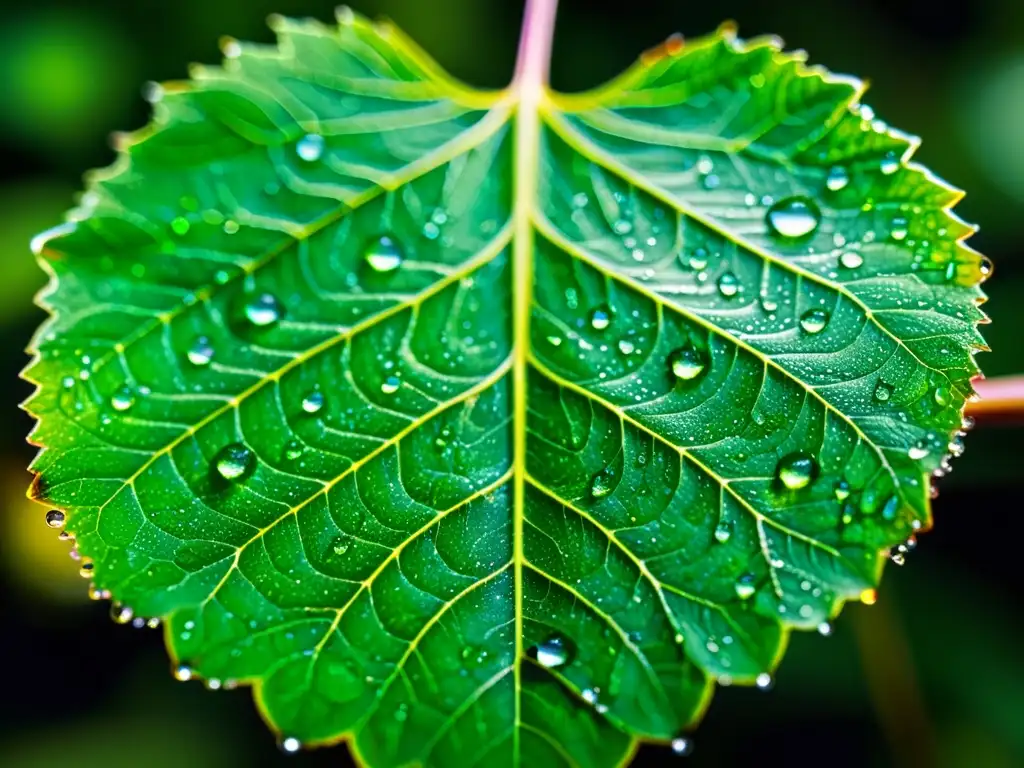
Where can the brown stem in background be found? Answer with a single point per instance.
(999, 399)
(891, 680)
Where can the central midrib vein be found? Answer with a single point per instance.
(530, 82)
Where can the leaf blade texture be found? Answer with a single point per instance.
(283, 380)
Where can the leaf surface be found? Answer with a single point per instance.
(490, 431)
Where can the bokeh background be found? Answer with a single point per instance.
(932, 675)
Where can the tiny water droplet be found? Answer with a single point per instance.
(180, 225)
(383, 254)
(233, 461)
(764, 681)
(293, 449)
(121, 614)
(687, 363)
(824, 629)
(837, 178)
(898, 229)
(310, 147)
(841, 489)
(890, 164)
(626, 347)
(851, 260)
(682, 746)
(723, 532)
(745, 586)
(728, 285)
(554, 341)
(793, 217)
(390, 385)
(263, 310)
(123, 399)
(919, 450)
(554, 652)
(814, 320)
(201, 352)
(602, 484)
(600, 318)
(796, 470)
(622, 227)
(313, 402)
(883, 391)
(55, 518)
(698, 259)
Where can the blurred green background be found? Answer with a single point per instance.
(932, 675)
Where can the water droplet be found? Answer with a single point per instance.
(890, 164)
(556, 651)
(898, 229)
(682, 746)
(602, 484)
(745, 586)
(263, 310)
(851, 260)
(55, 518)
(290, 745)
(698, 259)
(841, 489)
(431, 231)
(869, 597)
(310, 147)
(180, 225)
(234, 461)
(383, 254)
(626, 347)
(723, 532)
(837, 178)
(814, 320)
(796, 470)
(918, 450)
(793, 217)
(201, 352)
(293, 449)
(764, 681)
(943, 397)
(622, 227)
(824, 629)
(390, 385)
(121, 614)
(554, 341)
(728, 285)
(687, 363)
(600, 318)
(123, 399)
(313, 402)
(183, 672)
(883, 391)
(580, 200)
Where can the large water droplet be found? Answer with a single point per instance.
(390, 385)
(682, 746)
(290, 745)
(898, 229)
(263, 310)
(814, 320)
(837, 178)
(123, 399)
(554, 652)
(728, 285)
(698, 259)
(943, 397)
(600, 318)
(313, 402)
(383, 254)
(234, 461)
(310, 147)
(723, 531)
(201, 352)
(687, 363)
(890, 163)
(883, 391)
(745, 586)
(793, 217)
(55, 518)
(919, 450)
(796, 470)
(851, 260)
(764, 681)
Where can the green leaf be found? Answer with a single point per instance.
(496, 427)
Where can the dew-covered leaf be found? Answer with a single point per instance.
(478, 429)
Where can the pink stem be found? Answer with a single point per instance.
(535, 39)
(999, 399)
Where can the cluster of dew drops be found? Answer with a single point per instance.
(790, 219)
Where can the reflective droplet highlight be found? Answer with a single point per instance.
(310, 147)
(626, 347)
(841, 490)
(123, 399)
(745, 587)
(883, 391)
(687, 363)
(796, 470)
(723, 532)
(793, 217)
(234, 461)
(682, 746)
(837, 178)
(919, 450)
(898, 229)
(201, 352)
(728, 285)
(263, 310)
(383, 254)
(814, 320)
(183, 672)
(290, 745)
(602, 484)
(554, 652)
(390, 385)
(943, 396)
(851, 260)
(890, 164)
(313, 402)
(55, 518)
(600, 318)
